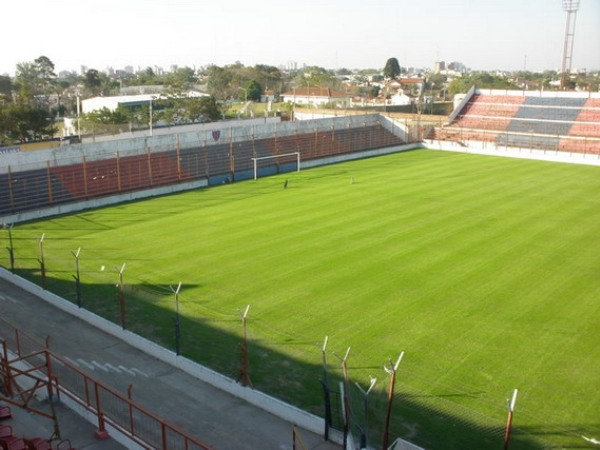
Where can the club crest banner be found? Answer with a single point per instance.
(216, 134)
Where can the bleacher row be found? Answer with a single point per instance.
(9, 441)
(33, 189)
(560, 123)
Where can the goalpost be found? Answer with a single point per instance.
(255, 161)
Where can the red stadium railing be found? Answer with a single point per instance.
(107, 404)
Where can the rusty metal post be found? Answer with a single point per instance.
(392, 371)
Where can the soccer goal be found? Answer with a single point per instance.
(261, 158)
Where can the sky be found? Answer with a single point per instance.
(354, 34)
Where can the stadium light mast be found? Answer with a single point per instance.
(571, 7)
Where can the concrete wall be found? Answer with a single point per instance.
(491, 149)
(461, 104)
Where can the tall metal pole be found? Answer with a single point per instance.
(77, 277)
(177, 334)
(571, 7)
(392, 371)
(511, 409)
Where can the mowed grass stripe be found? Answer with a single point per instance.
(482, 269)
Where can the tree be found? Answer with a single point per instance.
(104, 121)
(6, 88)
(315, 76)
(201, 109)
(183, 78)
(391, 69)
(481, 80)
(92, 81)
(35, 81)
(253, 91)
(219, 82)
(24, 122)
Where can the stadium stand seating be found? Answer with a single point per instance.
(218, 163)
(559, 122)
(10, 442)
(37, 444)
(5, 412)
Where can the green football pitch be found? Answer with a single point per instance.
(485, 271)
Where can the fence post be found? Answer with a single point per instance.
(101, 432)
(7, 381)
(392, 371)
(49, 178)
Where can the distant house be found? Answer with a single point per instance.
(400, 98)
(317, 96)
(406, 84)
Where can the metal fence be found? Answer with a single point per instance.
(106, 404)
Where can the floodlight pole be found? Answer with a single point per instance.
(42, 262)
(392, 371)
(570, 7)
(177, 335)
(364, 438)
(77, 277)
(511, 409)
(121, 287)
(244, 371)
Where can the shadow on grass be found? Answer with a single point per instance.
(419, 418)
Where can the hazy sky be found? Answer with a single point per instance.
(482, 34)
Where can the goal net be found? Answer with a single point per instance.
(284, 158)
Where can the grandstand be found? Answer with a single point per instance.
(82, 172)
(550, 121)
